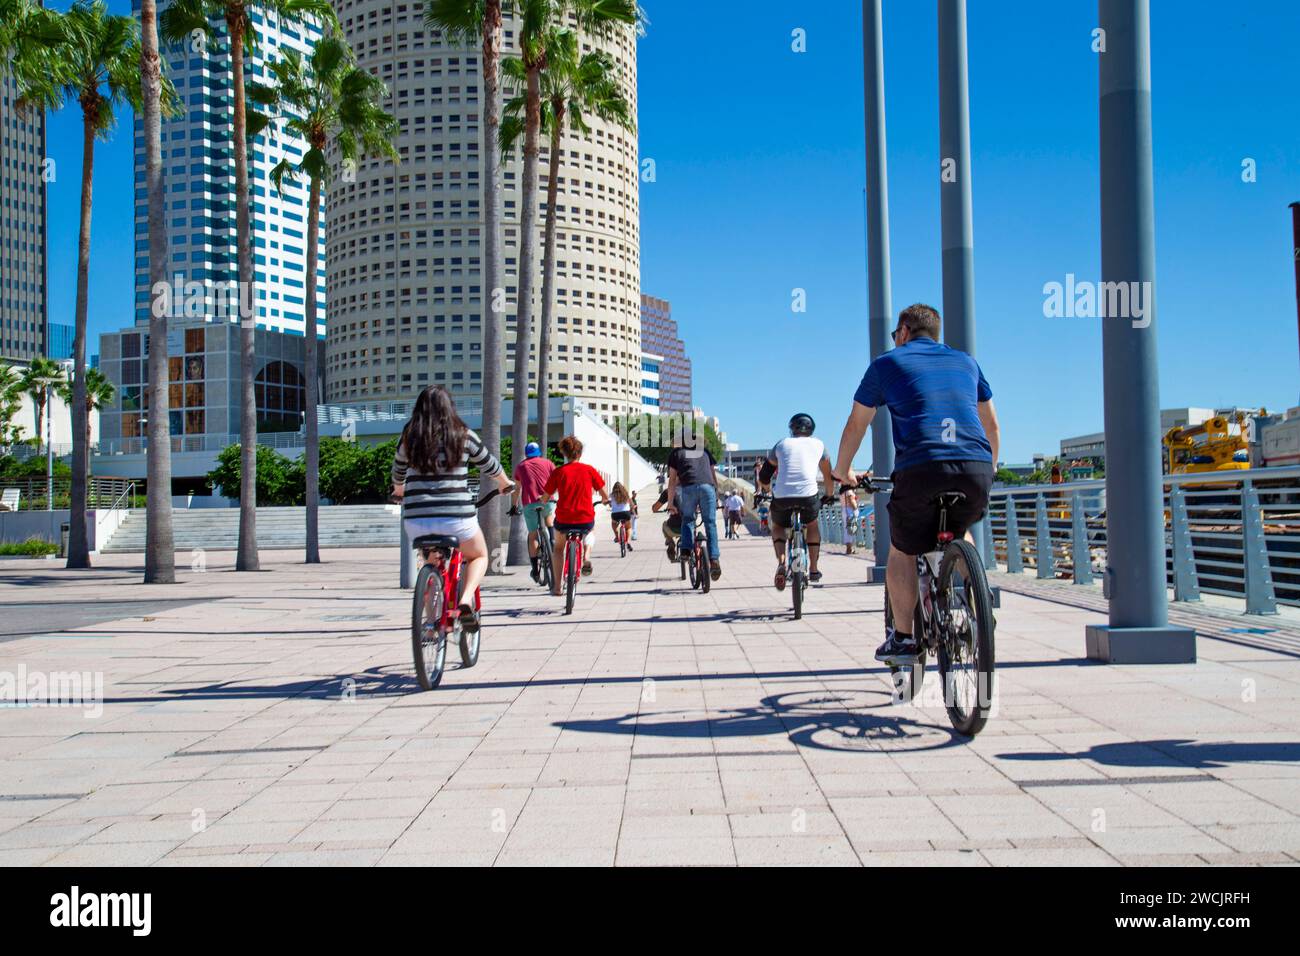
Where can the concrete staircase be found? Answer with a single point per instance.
(216, 529)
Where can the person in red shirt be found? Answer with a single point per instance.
(574, 481)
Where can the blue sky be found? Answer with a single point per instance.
(758, 156)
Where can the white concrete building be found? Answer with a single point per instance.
(405, 240)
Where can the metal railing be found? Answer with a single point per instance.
(201, 443)
(1233, 533)
(33, 493)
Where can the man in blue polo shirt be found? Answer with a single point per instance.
(945, 439)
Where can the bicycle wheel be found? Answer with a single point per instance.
(545, 555)
(702, 561)
(428, 638)
(965, 638)
(469, 642)
(909, 684)
(622, 543)
(572, 561)
(681, 563)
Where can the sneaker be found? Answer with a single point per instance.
(535, 575)
(586, 568)
(715, 570)
(814, 576)
(672, 551)
(469, 622)
(898, 649)
(780, 577)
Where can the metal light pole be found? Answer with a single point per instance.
(878, 293)
(955, 180)
(1295, 256)
(49, 450)
(1139, 630)
(958, 231)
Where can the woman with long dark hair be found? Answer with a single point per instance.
(431, 476)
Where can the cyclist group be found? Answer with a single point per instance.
(945, 435)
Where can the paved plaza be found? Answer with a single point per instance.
(273, 718)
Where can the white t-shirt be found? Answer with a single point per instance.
(798, 460)
(734, 502)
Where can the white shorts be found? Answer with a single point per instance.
(462, 529)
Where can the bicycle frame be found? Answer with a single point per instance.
(448, 565)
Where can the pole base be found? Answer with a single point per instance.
(1141, 645)
(876, 575)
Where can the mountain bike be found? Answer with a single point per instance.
(621, 535)
(545, 550)
(798, 559)
(435, 619)
(953, 620)
(696, 561)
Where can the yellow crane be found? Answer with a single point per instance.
(1217, 444)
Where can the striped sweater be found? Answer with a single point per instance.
(445, 494)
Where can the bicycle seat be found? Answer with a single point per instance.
(430, 542)
(946, 499)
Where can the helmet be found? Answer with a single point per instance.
(532, 450)
(802, 424)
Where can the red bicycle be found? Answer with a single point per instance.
(434, 619)
(575, 553)
(620, 534)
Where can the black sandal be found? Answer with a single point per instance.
(469, 622)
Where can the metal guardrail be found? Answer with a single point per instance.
(33, 494)
(1231, 533)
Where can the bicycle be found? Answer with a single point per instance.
(953, 620)
(575, 552)
(434, 619)
(545, 550)
(620, 534)
(798, 560)
(696, 561)
(761, 509)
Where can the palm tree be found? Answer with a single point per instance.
(99, 395)
(538, 21)
(25, 27)
(11, 388)
(179, 21)
(573, 86)
(328, 98)
(98, 66)
(38, 379)
(467, 21)
(41, 376)
(159, 546)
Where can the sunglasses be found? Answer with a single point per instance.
(894, 334)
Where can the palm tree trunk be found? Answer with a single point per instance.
(548, 279)
(159, 547)
(78, 546)
(493, 318)
(309, 413)
(524, 312)
(246, 558)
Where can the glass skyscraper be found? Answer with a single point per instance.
(199, 178)
(23, 309)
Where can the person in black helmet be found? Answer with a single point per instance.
(795, 463)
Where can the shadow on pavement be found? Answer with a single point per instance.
(1174, 753)
(841, 720)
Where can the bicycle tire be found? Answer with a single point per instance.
(545, 555)
(470, 643)
(428, 645)
(970, 720)
(572, 561)
(705, 574)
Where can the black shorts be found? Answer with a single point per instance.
(583, 528)
(914, 513)
(784, 508)
(621, 515)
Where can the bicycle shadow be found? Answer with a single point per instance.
(1197, 754)
(836, 720)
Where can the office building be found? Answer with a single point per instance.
(23, 307)
(405, 240)
(199, 177)
(659, 337)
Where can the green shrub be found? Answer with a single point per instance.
(279, 480)
(32, 547)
